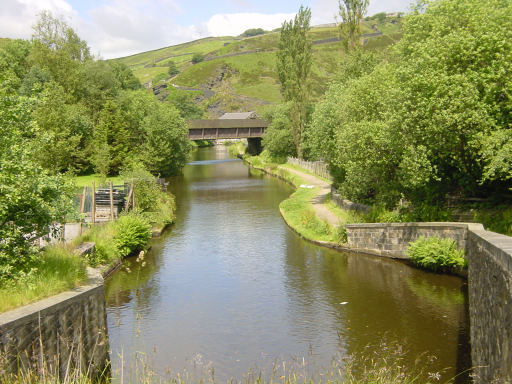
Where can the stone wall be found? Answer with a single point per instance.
(490, 305)
(489, 258)
(65, 330)
(392, 239)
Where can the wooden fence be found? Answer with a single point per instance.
(318, 168)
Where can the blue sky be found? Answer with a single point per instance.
(115, 28)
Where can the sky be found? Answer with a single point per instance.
(116, 28)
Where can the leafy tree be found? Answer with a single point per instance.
(294, 67)
(197, 58)
(63, 131)
(13, 64)
(253, 32)
(34, 81)
(278, 139)
(352, 13)
(31, 200)
(453, 67)
(57, 48)
(173, 69)
(125, 76)
(166, 145)
(185, 104)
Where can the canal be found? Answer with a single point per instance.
(230, 289)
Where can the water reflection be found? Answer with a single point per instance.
(230, 286)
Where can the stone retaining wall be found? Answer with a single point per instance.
(65, 330)
(489, 258)
(392, 239)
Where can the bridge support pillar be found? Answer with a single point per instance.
(254, 145)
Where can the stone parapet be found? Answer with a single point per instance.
(60, 333)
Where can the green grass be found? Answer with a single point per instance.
(297, 210)
(86, 180)
(59, 270)
(197, 46)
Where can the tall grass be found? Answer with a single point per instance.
(385, 367)
(57, 270)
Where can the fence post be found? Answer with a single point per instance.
(82, 200)
(111, 201)
(93, 207)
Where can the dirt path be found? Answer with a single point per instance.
(322, 212)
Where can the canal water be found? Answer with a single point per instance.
(231, 289)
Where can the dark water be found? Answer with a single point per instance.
(231, 287)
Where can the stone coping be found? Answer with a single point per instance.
(436, 224)
(23, 315)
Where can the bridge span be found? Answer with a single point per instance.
(226, 129)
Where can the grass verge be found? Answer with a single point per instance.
(297, 210)
(57, 270)
(86, 180)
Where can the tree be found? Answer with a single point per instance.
(173, 69)
(63, 131)
(31, 200)
(453, 65)
(57, 48)
(111, 140)
(166, 145)
(294, 67)
(197, 58)
(278, 139)
(352, 13)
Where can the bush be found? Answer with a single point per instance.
(173, 70)
(197, 58)
(132, 232)
(435, 254)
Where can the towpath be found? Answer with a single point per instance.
(322, 212)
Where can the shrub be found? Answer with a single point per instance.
(197, 58)
(131, 233)
(435, 254)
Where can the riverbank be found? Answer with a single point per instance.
(311, 212)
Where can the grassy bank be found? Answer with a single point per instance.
(86, 180)
(297, 210)
(57, 269)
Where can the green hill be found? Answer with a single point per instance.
(240, 73)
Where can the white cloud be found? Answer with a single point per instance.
(18, 16)
(233, 24)
(123, 27)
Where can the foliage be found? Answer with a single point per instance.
(452, 65)
(173, 69)
(253, 32)
(436, 253)
(61, 126)
(159, 77)
(294, 68)
(131, 234)
(56, 269)
(185, 104)
(352, 13)
(166, 147)
(430, 120)
(278, 138)
(111, 140)
(31, 199)
(197, 58)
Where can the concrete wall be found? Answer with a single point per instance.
(489, 258)
(67, 329)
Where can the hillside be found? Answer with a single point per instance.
(239, 73)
